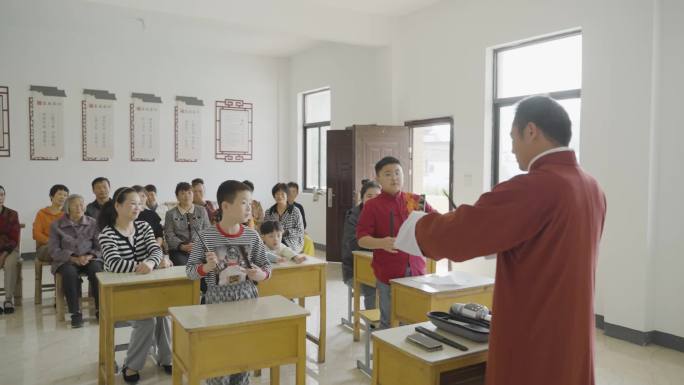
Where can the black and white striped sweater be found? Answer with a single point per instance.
(120, 256)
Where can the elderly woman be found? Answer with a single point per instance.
(179, 222)
(74, 247)
(289, 217)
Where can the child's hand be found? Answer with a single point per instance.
(387, 244)
(299, 258)
(212, 260)
(256, 274)
(281, 259)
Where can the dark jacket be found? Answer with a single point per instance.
(349, 242)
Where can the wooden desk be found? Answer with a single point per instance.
(131, 296)
(363, 274)
(414, 297)
(397, 362)
(306, 279)
(233, 337)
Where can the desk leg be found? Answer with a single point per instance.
(176, 374)
(357, 306)
(394, 322)
(109, 351)
(275, 375)
(302, 302)
(101, 357)
(323, 317)
(376, 360)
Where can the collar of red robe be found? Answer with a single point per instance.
(562, 157)
(391, 197)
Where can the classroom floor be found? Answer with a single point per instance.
(36, 349)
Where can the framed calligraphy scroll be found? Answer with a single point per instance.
(144, 125)
(46, 123)
(97, 125)
(4, 122)
(187, 129)
(233, 130)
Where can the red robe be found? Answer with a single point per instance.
(545, 227)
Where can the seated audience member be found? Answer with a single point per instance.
(128, 246)
(9, 251)
(198, 199)
(100, 187)
(370, 189)
(152, 204)
(45, 217)
(292, 194)
(149, 216)
(272, 235)
(289, 217)
(74, 248)
(179, 222)
(257, 209)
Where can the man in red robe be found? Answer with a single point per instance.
(545, 227)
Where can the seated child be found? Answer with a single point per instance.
(272, 234)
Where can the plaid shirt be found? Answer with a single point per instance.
(291, 221)
(9, 230)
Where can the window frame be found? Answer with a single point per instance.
(499, 103)
(309, 126)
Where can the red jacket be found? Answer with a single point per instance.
(9, 230)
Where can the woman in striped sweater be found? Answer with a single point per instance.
(129, 246)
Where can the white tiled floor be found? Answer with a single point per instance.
(36, 349)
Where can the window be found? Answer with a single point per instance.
(551, 66)
(316, 118)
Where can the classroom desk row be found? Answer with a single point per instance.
(133, 296)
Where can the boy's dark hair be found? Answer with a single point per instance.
(138, 188)
(270, 226)
(151, 188)
(366, 184)
(98, 180)
(293, 185)
(249, 184)
(548, 115)
(384, 162)
(183, 186)
(197, 181)
(56, 188)
(279, 187)
(108, 213)
(228, 190)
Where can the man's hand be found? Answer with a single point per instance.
(256, 274)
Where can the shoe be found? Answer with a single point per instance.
(168, 369)
(1, 310)
(76, 320)
(9, 307)
(132, 378)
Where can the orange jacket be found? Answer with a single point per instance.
(41, 225)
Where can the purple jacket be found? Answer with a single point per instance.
(68, 238)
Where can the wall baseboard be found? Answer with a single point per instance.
(638, 337)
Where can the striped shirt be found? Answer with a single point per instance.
(239, 248)
(121, 255)
(293, 227)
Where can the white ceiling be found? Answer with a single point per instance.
(278, 28)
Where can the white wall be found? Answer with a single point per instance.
(358, 78)
(440, 67)
(59, 48)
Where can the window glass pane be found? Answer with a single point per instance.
(324, 157)
(548, 66)
(508, 165)
(431, 164)
(312, 144)
(317, 107)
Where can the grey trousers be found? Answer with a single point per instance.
(11, 273)
(149, 334)
(385, 294)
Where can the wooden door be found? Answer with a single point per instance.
(374, 142)
(340, 186)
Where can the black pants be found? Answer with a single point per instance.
(71, 283)
(178, 257)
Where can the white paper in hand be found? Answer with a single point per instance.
(406, 238)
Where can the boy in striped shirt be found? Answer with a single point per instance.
(230, 256)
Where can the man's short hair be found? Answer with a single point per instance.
(183, 186)
(57, 188)
(228, 190)
(151, 188)
(384, 162)
(293, 185)
(548, 115)
(197, 181)
(98, 180)
(249, 184)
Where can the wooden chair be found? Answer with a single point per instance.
(60, 299)
(40, 287)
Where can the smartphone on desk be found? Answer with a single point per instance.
(424, 342)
